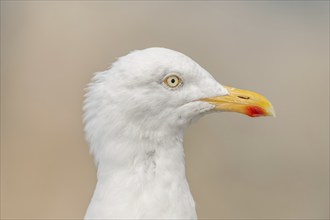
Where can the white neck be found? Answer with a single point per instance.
(144, 178)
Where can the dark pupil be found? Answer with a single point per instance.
(172, 80)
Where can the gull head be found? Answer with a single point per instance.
(135, 114)
(158, 92)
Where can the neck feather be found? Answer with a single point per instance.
(142, 156)
(146, 177)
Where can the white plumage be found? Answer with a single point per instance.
(134, 121)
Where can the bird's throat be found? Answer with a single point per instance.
(145, 176)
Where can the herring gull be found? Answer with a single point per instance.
(135, 115)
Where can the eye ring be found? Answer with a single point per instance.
(172, 81)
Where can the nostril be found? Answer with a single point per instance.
(243, 97)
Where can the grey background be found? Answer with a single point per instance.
(237, 167)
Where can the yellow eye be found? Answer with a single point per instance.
(172, 81)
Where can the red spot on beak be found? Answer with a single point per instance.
(254, 111)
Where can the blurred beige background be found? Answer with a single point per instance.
(237, 167)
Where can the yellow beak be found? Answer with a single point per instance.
(242, 101)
